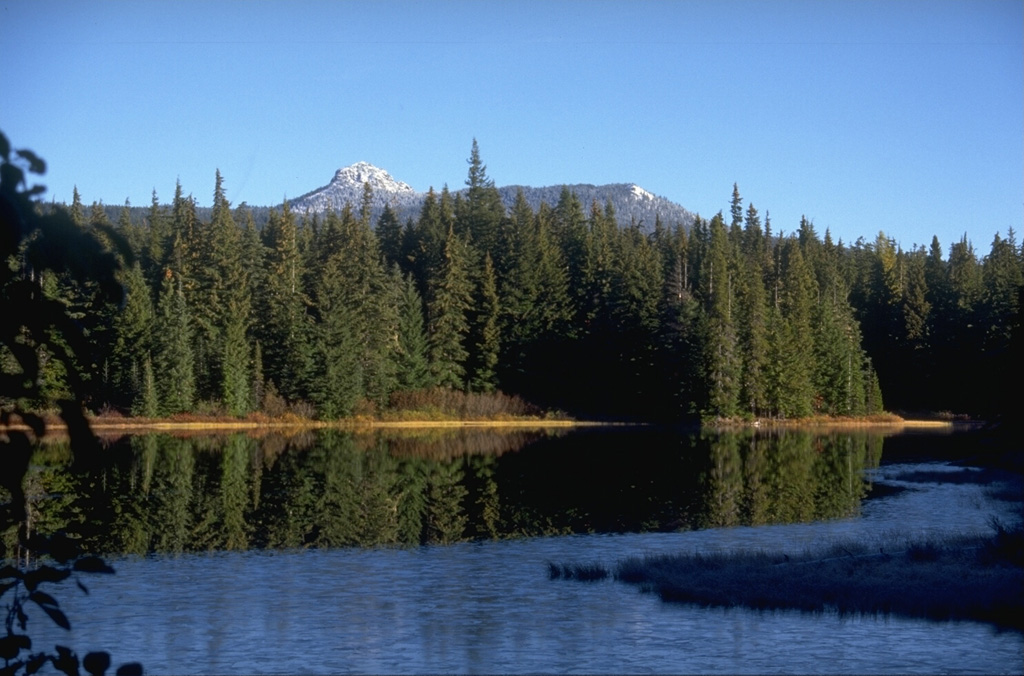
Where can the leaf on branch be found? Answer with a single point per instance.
(43, 599)
(35, 164)
(58, 617)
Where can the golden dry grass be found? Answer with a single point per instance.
(882, 421)
(104, 426)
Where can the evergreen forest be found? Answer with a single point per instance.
(334, 315)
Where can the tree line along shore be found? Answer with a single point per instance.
(332, 316)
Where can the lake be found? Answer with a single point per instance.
(414, 552)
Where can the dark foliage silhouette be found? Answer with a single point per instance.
(37, 330)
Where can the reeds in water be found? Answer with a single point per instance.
(964, 577)
(584, 572)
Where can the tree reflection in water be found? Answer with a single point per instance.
(158, 493)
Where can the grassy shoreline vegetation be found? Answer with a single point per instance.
(817, 422)
(961, 577)
(429, 408)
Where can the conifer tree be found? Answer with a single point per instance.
(235, 363)
(337, 380)
(425, 248)
(147, 403)
(367, 295)
(553, 299)
(812, 252)
(77, 210)
(173, 357)
(412, 356)
(751, 316)
(257, 381)
(915, 310)
(448, 326)
(752, 337)
(485, 332)
(252, 259)
(775, 369)
(722, 366)
(285, 330)
(755, 240)
(224, 315)
(482, 211)
(838, 370)
(135, 236)
(963, 329)
(791, 352)
(1002, 276)
(366, 206)
(184, 245)
(872, 391)
(635, 294)
(680, 338)
(389, 235)
(519, 289)
(381, 318)
(570, 233)
(798, 293)
(999, 317)
(597, 269)
(736, 222)
(832, 363)
(132, 328)
(156, 250)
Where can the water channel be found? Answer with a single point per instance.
(411, 553)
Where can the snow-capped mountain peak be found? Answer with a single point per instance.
(363, 172)
(347, 188)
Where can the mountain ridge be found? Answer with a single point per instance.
(633, 204)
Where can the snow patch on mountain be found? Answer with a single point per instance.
(641, 193)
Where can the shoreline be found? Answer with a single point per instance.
(888, 420)
(108, 424)
(104, 426)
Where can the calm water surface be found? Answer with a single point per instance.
(487, 606)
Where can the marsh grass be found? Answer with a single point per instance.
(955, 577)
(584, 572)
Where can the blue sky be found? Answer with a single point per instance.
(900, 116)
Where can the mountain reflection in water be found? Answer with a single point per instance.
(159, 493)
